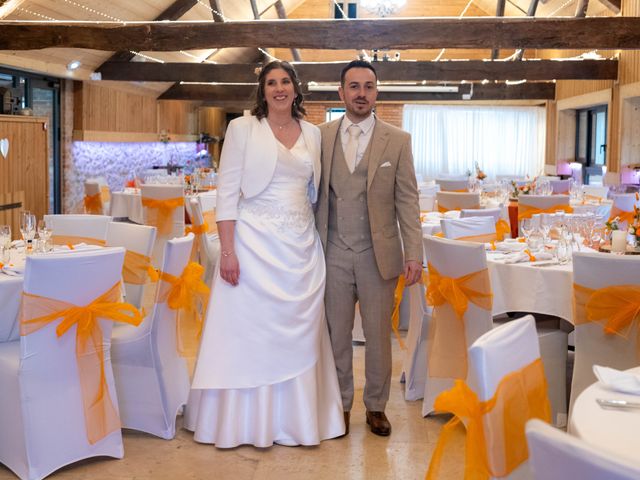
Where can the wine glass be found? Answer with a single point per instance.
(526, 227)
(5, 243)
(44, 232)
(27, 229)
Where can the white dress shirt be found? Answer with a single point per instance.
(366, 126)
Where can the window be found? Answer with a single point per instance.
(591, 140)
(349, 8)
(334, 113)
(42, 95)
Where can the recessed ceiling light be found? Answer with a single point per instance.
(72, 65)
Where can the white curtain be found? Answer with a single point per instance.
(451, 139)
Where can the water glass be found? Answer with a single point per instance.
(44, 233)
(27, 228)
(5, 236)
(564, 251)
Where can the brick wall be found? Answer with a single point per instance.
(389, 112)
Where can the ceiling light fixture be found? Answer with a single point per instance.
(392, 88)
(73, 65)
(382, 8)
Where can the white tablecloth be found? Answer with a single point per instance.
(601, 209)
(10, 291)
(521, 287)
(127, 204)
(616, 431)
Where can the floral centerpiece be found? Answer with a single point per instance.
(524, 189)
(634, 224)
(480, 175)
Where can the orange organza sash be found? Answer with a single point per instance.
(502, 228)
(395, 316)
(526, 211)
(484, 238)
(450, 297)
(71, 240)
(137, 269)
(101, 417)
(616, 307)
(461, 190)
(160, 212)
(93, 204)
(495, 442)
(188, 295)
(105, 194)
(623, 215)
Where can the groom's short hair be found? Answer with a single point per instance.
(357, 64)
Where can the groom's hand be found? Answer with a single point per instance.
(412, 272)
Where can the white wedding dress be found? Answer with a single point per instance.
(265, 372)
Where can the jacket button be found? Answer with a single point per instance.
(361, 218)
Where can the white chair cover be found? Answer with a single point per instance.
(151, 377)
(452, 185)
(91, 226)
(457, 201)
(560, 186)
(462, 228)
(554, 455)
(596, 190)
(428, 189)
(549, 177)
(42, 413)
(163, 192)
(414, 368)
(209, 243)
(454, 259)
(624, 202)
(505, 349)
(543, 201)
(595, 271)
(93, 188)
(138, 239)
(427, 202)
(495, 213)
(104, 190)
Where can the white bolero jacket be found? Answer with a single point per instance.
(248, 161)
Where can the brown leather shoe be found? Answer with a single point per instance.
(379, 423)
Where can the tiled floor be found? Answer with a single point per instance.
(360, 455)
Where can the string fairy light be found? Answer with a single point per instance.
(36, 14)
(464, 10)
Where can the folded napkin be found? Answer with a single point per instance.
(510, 246)
(617, 380)
(432, 216)
(13, 270)
(452, 214)
(521, 257)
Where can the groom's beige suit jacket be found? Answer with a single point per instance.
(392, 196)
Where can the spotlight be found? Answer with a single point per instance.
(74, 64)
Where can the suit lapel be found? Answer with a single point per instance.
(329, 140)
(379, 140)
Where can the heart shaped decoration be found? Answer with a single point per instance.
(4, 147)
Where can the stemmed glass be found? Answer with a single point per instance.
(526, 227)
(44, 232)
(5, 243)
(28, 229)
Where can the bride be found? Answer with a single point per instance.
(265, 372)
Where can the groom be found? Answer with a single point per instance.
(367, 190)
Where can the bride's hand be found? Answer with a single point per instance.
(230, 268)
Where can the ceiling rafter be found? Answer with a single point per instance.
(401, 33)
(387, 71)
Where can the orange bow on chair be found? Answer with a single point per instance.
(526, 211)
(502, 228)
(520, 396)
(93, 204)
(448, 347)
(617, 307)
(101, 417)
(395, 316)
(185, 294)
(137, 269)
(160, 212)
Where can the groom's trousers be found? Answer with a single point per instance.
(354, 277)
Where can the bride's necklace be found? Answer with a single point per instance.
(280, 127)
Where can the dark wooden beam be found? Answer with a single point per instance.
(243, 93)
(499, 13)
(387, 71)
(397, 33)
(173, 12)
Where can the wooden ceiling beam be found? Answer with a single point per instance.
(387, 71)
(242, 94)
(398, 33)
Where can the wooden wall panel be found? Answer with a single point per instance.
(178, 117)
(24, 173)
(213, 121)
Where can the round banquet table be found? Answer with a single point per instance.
(10, 290)
(127, 204)
(611, 430)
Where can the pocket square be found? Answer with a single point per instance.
(385, 164)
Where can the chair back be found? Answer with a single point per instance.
(453, 185)
(592, 345)
(457, 201)
(428, 189)
(548, 178)
(176, 221)
(453, 259)
(138, 239)
(530, 204)
(560, 187)
(49, 374)
(471, 229)
(623, 204)
(427, 202)
(93, 204)
(83, 227)
(494, 213)
(555, 455)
